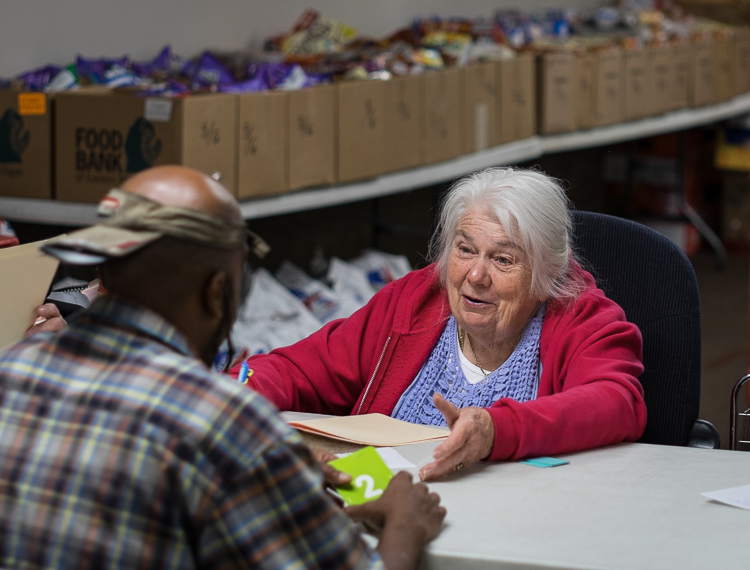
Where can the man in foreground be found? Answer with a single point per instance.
(118, 446)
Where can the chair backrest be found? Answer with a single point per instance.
(654, 282)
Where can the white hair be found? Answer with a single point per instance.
(533, 210)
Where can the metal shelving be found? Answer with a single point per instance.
(79, 214)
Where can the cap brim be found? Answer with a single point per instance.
(97, 244)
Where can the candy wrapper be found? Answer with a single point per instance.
(248, 86)
(165, 64)
(314, 34)
(65, 80)
(210, 71)
(38, 79)
(117, 76)
(168, 88)
(95, 70)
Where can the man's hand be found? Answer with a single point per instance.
(409, 515)
(331, 475)
(48, 318)
(471, 439)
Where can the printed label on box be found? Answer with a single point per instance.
(159, 110)
(32, 104)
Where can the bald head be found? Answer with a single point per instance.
(184, 187)
(194, 286)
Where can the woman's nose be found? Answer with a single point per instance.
(478, 274)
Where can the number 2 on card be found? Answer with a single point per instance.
(370, 491)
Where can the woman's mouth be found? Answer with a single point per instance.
(473, 301)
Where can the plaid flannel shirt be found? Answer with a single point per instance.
(118, 449)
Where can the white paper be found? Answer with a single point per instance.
(25, 277)
(158, 110)
(734, 496)
(392, 458)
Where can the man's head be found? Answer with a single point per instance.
(175, 242)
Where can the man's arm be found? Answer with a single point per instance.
(408, 514)
(410, 517)
(276, 513)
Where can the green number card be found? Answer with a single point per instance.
(370, 476)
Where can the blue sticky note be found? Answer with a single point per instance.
(545, 462)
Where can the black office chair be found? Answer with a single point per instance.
(654, 282)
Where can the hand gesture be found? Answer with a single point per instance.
(471, 439)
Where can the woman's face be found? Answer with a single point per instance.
(488, 281)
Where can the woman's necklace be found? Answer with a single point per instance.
(461, 337)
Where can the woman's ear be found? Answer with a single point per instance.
(214, 293)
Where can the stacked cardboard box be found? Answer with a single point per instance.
(104, 136)
(268, 143)
(25, 144)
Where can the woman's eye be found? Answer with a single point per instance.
(504, 260)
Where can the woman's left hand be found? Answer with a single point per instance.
(471, 439)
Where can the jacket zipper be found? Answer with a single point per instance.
(372, 378)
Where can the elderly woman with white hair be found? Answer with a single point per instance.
(505, 338)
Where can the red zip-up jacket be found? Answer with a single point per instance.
(588, 396)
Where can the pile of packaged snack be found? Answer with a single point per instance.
(317, 50)
(434, 90)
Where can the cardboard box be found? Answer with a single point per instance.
(735, 208)
(480, 95)
(679, 96)
(312, 136)
(403, 113)
(585, 95)
(556, 73)
(444, 115)
(516, 88)
(262, 159)
(638, 91)
(742, 61)
(361, 129)
(25, 144)
(103, 137)
(663, 78)
(702, 90)
(726, 80)
(609, 88)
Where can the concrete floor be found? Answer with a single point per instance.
(724, 316)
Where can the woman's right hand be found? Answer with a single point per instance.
(409, 515)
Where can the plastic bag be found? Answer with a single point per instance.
(382, 268)
(271, 317)
(323, 301)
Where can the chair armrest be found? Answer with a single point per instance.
(703, 434)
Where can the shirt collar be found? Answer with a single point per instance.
(127, 315)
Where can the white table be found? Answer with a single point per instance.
(629, 506)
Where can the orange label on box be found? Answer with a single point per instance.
(32, 104)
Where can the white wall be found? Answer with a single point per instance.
(37, 32)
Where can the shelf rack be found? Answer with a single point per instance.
(81, 214)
